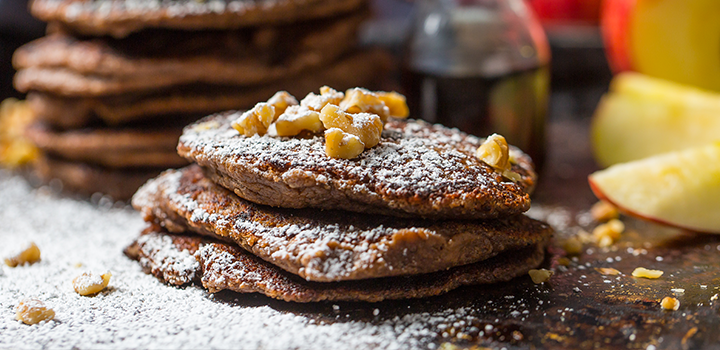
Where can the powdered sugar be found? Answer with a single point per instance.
(179, 267)
(87, 279)
(432, 164)
(174, 8)
(137, 311)
(328, 246)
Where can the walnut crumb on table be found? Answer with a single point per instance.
(646, 273)
(33, 311)
(607, 271)
(669, 303)
(89, 283)
(29, 255)
(607, 234)
(603, 211)
(540, 276)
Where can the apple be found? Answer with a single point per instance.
(678, 40)
(614, 24)
(569, 11)
(680, 189)
(643, 116)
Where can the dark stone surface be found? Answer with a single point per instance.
(579, 308)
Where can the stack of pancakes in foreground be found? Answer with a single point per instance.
(114, 81)
(414, 216)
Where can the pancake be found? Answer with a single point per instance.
(85, 179)
(417, 169)
(178, 260)
(328, 245)
(357, 69)
(69, 66)
(114, 148)
(121, 17)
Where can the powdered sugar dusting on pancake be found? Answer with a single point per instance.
(416, 169)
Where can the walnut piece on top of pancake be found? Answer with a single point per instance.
(352, 121)
(417, 169)
(496, 153)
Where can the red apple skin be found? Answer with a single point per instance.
(551, 11)
(615, 26)
(601, 196)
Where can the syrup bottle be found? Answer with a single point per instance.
(481, 66)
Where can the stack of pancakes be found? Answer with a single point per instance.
(114, 81)
(416, 215)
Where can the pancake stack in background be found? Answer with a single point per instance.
(114, 81)
(415, 214)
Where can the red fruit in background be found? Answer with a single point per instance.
(615, 25)
(677, 40)
(567, 10)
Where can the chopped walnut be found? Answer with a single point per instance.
(495, 152)
(327, 96)
(33, 311)
(642, 272)
(603, 211)
(584, 236)
(256, 120)
(396, 103)
(367, 127)
(359, 100)
(540, 276)
(281, 101)
(359, 116)
(608, 233)
(563, 261)
(605, 241)
(15, 148)
(90, 283)
(670, 303)
(607, 271)
(572, 246)
(29, 255)
(295, 120)
(339, 144)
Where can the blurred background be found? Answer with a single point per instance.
(547, 74)
(579, 70)
(17, 27)
(484, 66)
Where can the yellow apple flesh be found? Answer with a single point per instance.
(680, 189)
(678, 40)
(643, 116)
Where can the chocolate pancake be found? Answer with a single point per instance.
(358, 69)
(178, 260)
(417, 169)
(114, 148)
(121, 17)
(328, 245)
(68, 66)
(86, 179)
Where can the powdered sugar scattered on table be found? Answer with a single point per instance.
(137, 311)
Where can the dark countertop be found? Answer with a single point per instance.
(578, 308)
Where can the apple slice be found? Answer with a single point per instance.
(677, 40)
(680, 189)
(643, 116)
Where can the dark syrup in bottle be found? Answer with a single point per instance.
(480, 66)
(513, 105)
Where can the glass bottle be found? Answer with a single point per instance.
(481, 66)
